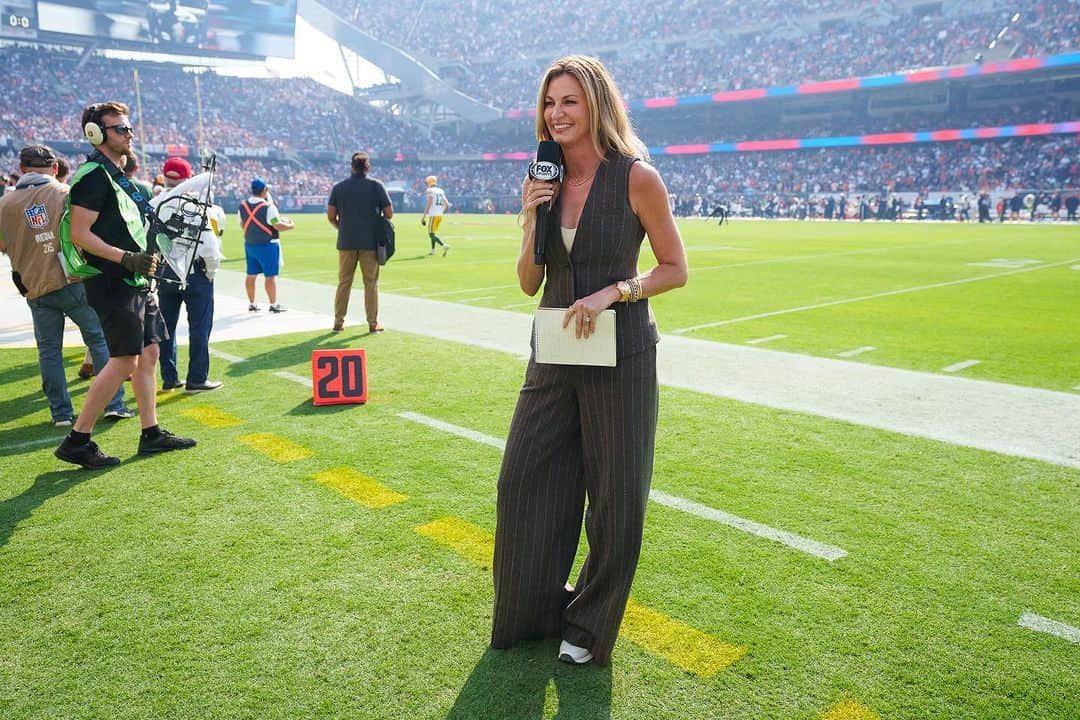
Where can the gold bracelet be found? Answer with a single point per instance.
(635, 289)
(624, 290)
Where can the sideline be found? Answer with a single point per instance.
(1009, 419)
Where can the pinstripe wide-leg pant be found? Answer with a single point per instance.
(578, 433)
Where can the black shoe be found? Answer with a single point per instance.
(276, 309)
(253, 308)
(164, 442)
(121, 414)
(205, 386)
(166, 386)
(88, 456)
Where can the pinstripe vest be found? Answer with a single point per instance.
(605, 250)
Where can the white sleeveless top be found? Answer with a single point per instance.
(568, 237)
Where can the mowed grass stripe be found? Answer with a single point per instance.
(211, 416)
(275, 447)
(682, 645)
(850, 710)
(359, 487)
(797, 542)
(1038, 623)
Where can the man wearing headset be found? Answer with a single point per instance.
(106, 224)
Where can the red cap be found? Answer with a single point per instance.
(176, 168)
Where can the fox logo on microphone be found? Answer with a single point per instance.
(545, 171)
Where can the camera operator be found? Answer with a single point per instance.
(106, 223)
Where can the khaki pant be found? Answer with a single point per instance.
(369, 269)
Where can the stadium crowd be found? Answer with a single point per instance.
(297, 132)
(497, 51)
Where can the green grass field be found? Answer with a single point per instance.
(294, 564)
(1019, 320)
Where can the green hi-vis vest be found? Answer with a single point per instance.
(71, 257)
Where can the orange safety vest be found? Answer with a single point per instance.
(250, 216)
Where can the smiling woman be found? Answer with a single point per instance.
(584, 431)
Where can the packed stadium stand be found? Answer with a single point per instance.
(300, 133)
(497, 51)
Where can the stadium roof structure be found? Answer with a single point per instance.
(416, 78)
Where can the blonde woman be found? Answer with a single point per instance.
(582, 433)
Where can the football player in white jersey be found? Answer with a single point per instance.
(436, 206)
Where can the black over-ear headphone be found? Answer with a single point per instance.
(93, 131)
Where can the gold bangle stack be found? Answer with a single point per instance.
(629, 290)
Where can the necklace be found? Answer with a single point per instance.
(582, 181)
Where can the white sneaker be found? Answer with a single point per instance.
(573, 654)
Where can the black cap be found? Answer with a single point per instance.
(40, 156)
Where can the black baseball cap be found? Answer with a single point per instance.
(40, 156)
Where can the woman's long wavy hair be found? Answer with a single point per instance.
(609, 123)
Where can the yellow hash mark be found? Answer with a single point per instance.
(275, 447)
(681, 644)
(850, 710)
(359, 487)
(168, 398)
(210, 416)
(473, 543)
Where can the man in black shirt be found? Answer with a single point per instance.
(353, 208)
(106, 224)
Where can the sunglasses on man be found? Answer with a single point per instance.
(121, 129)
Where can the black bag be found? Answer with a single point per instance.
(383, 231)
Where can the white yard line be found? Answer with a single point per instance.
(226, 356)
(991, 416)
(468, 290)
(816, 256)
(797, 542)
(517, 305)
(1038, 623)
(761, 340)
(454, 429)
(957, 367)
(861, 298)
(856, 351)
(32, 443)
(294, 378)
(475, 299)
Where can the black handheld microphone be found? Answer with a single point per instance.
(546, 168)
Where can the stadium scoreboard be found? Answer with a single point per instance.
(19, 20)
(237, 28)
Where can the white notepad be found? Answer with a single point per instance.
(556, 345)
